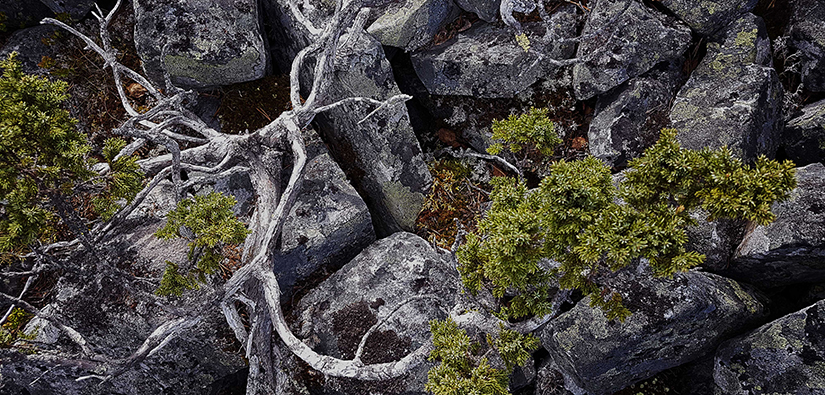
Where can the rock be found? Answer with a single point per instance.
(31, 48)
(19, 14)
(411, 24)
(707, 17)
(807, 32)
(717, 239)
(790, 250)
(784, 356)
(486, 62)
(629, 117)
(77, 9)
(400, 280)
(200, 44)
(732, 98)
(549, 381)
(804, 137)
(487, 10)
(640, 40)
(674, 321)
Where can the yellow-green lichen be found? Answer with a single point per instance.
(403, 204)
(203, 73)
(746, 38)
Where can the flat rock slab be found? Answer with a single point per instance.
(790, 250)
(487, 10)
(674, 321)
(804, 137)
(486, 62)
(200, 43)
(401, 281)
(411, 24)
(807, 32)
(786, 356)
(732, 98)
(639, 40)
(707, 17)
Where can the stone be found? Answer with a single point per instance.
(803, 140)
(674, 321)
(733, 98)
(640, 39)
(411, 24)
(717, 239)
(200, 44)
(707, 17)
(807, 33)
(19, 14)
(628, 118)
(485, 61)
(400, 281)
(791, 250)
(77, 9)
(785, 356)
(487, 10)
(30, 47)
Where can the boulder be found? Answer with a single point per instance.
(200, 44)
(487, 10)
(77, 9)
(30, 45)
(19, 14)
(485, 61)
(708, 17)
(786, 356)
(804, 137)
(628, 118)
(411, 24)
(790, 250)
(717, 239)
(639, 40)
(400, 281)
(674, 321)
(733, 98)
(807, 33)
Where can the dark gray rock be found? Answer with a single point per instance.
(400, 270)
(790, 250)
(200, 44)
(486, 62)
(19, 14)
(674, 321)
(732, 98)
(487, 10)
(629, 117)
(77, 9)
(717, 239)
(640, 39)
(807, 32)
(804, 137)
(549, 381)
(785, 356)
(31, 48)
(707, 17)
(411, 24)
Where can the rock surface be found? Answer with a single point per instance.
(200, 44)
(785, 356)
(804, 137)
(639, 40)
(732, 98)
(487, 10)
(486, 62)
(707, 17)
(411, 24)
(400, 281)
(19, 14)
(807, 34)
(674, 321)
(30, 46)
(790, 250)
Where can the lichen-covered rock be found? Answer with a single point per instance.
(790, 250)
(77, 9)
(401, 281)
(411, 24)
(640, 39)
(487, 10)
(200, 44)
(674, 321)
(19, 14)
(717, 239)
(804, 137)
(786, 356)
(807, 32)
(30, 45)
(629, 117)
(486, 62)
(707, 17)
(732, 98)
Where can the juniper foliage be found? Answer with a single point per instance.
(518, 133)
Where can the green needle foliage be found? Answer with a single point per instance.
(42, 154)
(461, 372)
(520, 132)
(208, 222)
(125, 182)
(577, 218)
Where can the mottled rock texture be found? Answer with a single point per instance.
(708, 17)
(807, 32)
(411, 24)
(804, 137)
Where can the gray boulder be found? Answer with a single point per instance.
(807, 32)
(200, 44)
(401, 281)
(31, 48)
(790, 250)
(785, 356)
(77, 9)
(707, 17)
(717, 239)
(629, 117)
(411, 24)
(732, 98)
(804, 137)
(486, 62)
(487, 10)
(674, 321)
(19, 14)
(639, 40)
